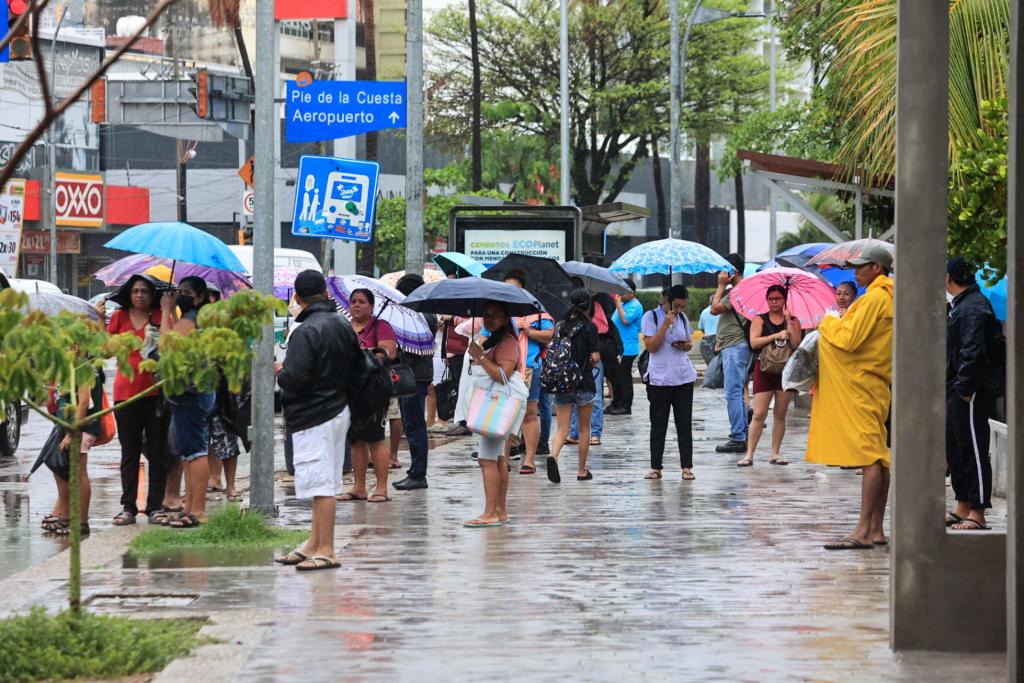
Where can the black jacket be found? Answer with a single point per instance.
(423, 366)
(971, 330)
(317, 368)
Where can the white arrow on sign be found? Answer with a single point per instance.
(394, 117)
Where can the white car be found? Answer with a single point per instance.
(283, 258)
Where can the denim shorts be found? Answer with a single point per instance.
(578, 397)
(190, 417)
(534, 384)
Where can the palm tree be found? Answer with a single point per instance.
(863, 73)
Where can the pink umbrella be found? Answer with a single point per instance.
(808, 300)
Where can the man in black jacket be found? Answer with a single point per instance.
(973, 380)
(414, 421)
(315, 381)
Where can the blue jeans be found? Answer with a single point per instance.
(414, 426)
(544, 413)
(735, 363)
(597, 417)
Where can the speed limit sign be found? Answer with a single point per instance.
(249, 203)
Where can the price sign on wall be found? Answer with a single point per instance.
(12, 216)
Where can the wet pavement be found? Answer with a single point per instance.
(722, 578)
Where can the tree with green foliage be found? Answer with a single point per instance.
(38, 351)
(618, 79)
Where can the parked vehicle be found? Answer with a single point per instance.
(283, 258)
(29, 286)
(16, 413)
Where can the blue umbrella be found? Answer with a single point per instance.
(459, 265)
(467, 297)
(797, 257)
(178, 242)
(996, 294)
(669, 256)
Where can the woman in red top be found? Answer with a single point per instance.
(143, 424)
(368, 444)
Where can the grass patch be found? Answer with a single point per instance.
(39, 646)
(229, 527)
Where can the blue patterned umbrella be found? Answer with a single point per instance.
(670, 256)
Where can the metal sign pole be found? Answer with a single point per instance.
(414, 252)
(563, 76)
(261, 493)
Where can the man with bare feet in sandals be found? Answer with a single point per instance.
(314, 380)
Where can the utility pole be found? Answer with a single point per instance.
(53, 154)
(675, 228)
(414, 252)
(325, 244)
(181, 181)
(563, 77)
(261, 492)
(773, 228)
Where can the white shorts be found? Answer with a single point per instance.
(319, 457)
(439, 368)
(394, 411)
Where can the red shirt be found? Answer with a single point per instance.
(600, 319)
(124, 388)
(374, 333)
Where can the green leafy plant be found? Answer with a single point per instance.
(230, 527)
(38, 351)
(978, 203)
(42, 647)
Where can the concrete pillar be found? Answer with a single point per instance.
(1015, 369)
(937, 579)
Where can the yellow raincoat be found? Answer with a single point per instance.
(851, 401)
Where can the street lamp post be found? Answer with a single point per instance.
(677, 67)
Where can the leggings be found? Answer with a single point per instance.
(678, 399)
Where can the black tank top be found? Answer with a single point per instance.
(770, 327)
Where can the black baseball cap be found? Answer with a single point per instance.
(309, 283)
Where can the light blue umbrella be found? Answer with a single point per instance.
(178, 242)
(460, 265)
(996, 294)
(669, 256)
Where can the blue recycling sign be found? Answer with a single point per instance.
(335, 198)
(328, 110)
(5, 54)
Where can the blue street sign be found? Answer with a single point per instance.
(328, 110)
(335, 198)
(5, 54)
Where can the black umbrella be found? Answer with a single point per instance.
(597, 279)
(466, 297)
(52, 456)
(122, 296)
(545, 279)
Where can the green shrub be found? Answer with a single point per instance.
(230, 527)
(699, 298)
(39, 646)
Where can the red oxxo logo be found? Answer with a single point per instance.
(79, 200)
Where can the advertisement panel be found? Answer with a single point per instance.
(310, 9)
(38, 242)
(490, 246)
(12, 216)
(79, 200)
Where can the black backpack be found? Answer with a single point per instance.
(372, 388)
(560, 373)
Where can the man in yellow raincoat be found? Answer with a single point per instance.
(851, 402)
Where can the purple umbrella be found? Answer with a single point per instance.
(284, 282)
(118, 272)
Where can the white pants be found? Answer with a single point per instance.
(319, 457)
(462, 406)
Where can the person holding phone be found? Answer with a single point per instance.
(670, 378)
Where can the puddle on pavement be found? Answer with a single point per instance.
(141, 600)
(202, 558)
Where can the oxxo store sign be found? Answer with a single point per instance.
(79, 200)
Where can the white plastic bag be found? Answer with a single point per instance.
(801, 371)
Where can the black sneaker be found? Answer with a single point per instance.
(476, 456)
(732, 446)
(543, 449)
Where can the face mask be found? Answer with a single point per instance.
(185, 303)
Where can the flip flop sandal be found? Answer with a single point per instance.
(124, 518)
(48, 519)
(553, 474)
(571, 440)
(185, 522)
(689, 476)
(881, 543)
(395, 466)
(378, 498)
(975, 525)
(173, 517)
(55, 525)
(586, 477)
(66, 530)
(479, 524)
(653, 474)
(527, 469)
(778, 461)
(316, 563)
(214, 489)
(953, 518)
(235, 498)
(595, 441)
(848, 544)
(292, 558)
(745, 463)
(349, 497)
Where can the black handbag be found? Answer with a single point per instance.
(447, 394)
(403, 381)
